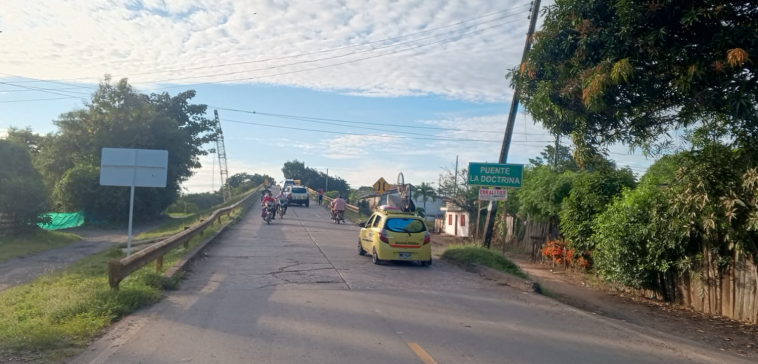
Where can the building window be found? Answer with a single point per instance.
(450, 219)
(463, 220)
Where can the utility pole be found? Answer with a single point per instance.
(327, 181)
(555, 152)
(492, 211)
(455, 179)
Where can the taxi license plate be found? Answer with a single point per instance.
(405, 255)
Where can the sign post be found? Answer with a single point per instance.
(133, 168)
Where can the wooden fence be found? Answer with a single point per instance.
(730, 291)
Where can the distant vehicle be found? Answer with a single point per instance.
(288, 183)
(298, 195)
(391, 234)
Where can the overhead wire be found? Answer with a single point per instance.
(306, 118)
(331, 57)
(45, 91)
(308, 53)
(313, 68)
(369, 135)
(334, 64)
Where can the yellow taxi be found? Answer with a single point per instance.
(391, 234)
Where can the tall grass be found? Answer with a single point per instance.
(64, 310)
(482, 256)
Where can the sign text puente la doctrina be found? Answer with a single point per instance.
(495, 175)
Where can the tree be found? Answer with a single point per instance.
(119, 117)
(591, 192)
(566, 160)
(313, 178)
(237, 179)
(607, 71)
(543, 192)
(23, 199)
(426, 192)
(458, 191)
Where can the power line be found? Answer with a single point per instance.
(48, 99)
(310, 118)
(308, 53)
(331, 57)
(40, 90)
(359, 134)
(307, 69)
(334, 64)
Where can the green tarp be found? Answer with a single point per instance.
(64, 220)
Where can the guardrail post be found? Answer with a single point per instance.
(159, 264)
(114, 273)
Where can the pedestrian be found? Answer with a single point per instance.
(320, 196)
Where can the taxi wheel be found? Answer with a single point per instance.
(426, 263)
(360, 249)
(375, 258)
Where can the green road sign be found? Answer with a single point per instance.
(496, 175)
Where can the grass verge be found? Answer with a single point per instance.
(34, 242)
(482, 256)
(58, 313)
(177, 225)
(355, 217)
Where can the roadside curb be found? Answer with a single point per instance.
(521, 284)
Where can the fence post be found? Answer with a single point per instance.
(159, 264)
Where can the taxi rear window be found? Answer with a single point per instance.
(298, 190)
(402, 225)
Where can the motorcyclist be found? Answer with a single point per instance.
(338, 206)
(268, 198)
(282, 201)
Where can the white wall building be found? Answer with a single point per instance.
(456, 221)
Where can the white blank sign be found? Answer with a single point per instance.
(133, 167)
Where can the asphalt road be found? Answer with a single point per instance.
(296, 291)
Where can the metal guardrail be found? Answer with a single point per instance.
(118, 269)
(350, 207)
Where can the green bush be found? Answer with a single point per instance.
(590, 194)
(364, 207)
(637, 237)
(23, 199)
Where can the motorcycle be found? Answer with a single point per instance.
(338, 216)
(282, 207)
(268, 210)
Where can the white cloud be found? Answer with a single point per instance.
(88, 38)
(3, 133)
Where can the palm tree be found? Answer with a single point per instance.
(427, 193)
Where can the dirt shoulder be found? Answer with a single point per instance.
(25, 269)
(580, 291)
(587, 293)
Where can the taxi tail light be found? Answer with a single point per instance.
(383, 236)
(427, 238)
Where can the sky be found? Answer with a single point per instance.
(377, 87)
